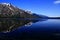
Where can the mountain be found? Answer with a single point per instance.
(40, 16)
(54, 18)
(8, 10)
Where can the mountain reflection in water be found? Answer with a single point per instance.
(9, 24)
(18, 23)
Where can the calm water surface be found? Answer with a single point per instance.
(42, 29)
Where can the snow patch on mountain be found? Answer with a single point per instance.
(8, 4)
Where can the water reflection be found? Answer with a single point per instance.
(9, 24)
(16, 23)
(34, 21)
(28, 24)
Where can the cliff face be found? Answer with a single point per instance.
(8, 10)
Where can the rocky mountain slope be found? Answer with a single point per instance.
(8, 10)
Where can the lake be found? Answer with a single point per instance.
(42, 29)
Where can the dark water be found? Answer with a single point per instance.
(43, 29)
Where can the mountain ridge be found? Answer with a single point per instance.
(9, 11)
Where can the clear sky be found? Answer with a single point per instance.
(44, 7)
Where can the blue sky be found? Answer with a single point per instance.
(45, 7)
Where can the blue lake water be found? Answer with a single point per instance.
(46, 29)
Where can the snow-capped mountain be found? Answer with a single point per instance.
(8, 10)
